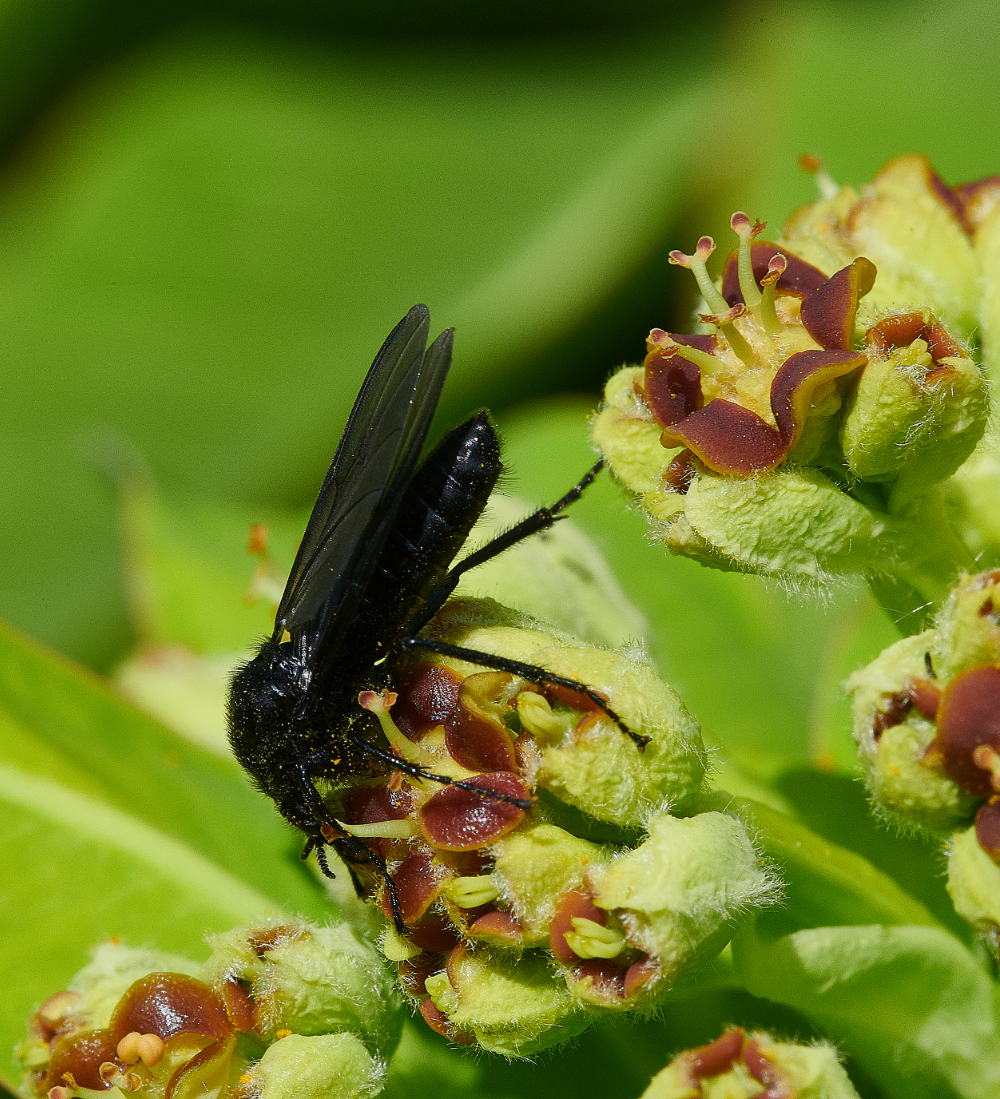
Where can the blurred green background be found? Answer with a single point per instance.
(212, 212)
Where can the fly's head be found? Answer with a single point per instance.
(267, 730)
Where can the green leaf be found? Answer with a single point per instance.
(911, 1003)
(96, 740)
(77, 872)
(112, 825)
(224, 228)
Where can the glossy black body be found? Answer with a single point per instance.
(292, 706)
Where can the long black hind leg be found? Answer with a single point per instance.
(539, 520)
(532, 672)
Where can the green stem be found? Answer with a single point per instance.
(930, 560)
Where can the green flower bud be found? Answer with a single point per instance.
(582, 757)
(321, 1066)
(967, 631)
(680, 893)
(905, 222)
(736, 1065)
(536, 866)
(560, 578)
(913, 420)
(510, 1004)
(974, 885)
(922, 713)
(309, 980)
(803, 429)
(895, 738)
(792, 523)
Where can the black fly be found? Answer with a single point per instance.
(372, 571)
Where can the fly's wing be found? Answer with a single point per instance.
(364, 484)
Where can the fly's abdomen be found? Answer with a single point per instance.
(442, 503)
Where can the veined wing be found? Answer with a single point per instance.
(364, 484)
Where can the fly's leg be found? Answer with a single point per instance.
(416, 771)
(350, 849)
(531, 672)
(537, 521)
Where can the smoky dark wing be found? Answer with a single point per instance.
(364, 484)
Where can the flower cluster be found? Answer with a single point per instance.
(806, 430)
(740, 1066)
(522, 926)
(282, 1011)
(927, 724)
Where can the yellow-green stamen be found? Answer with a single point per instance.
(379, 704)
(748, 284)
(590, 940)
(471, 892)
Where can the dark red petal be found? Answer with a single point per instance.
(969, 715)
(988, 828)
(760, 1067)
(479, 742)
(575, 903)
(901, 329)
(798, 379)
(940, 344)
(238, 1005)
(718, 1056)
(925, 696)
(460, 820)
(672, 387)
(426, 699)
(573, 699)
(702, 343)
(417, 882)
(435, 935)
(454, 960)
(680, 473)
(500, 927)
(608, 979)
(950, 197)
(436, 1019)
(728, 438)
(978, 199)
(893, 712)
(798, 277)
(828, 312)
(82, 1056)
(639, 974)
(373, 805)
(264, 939)
(190, 1076)
(169, 1004)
